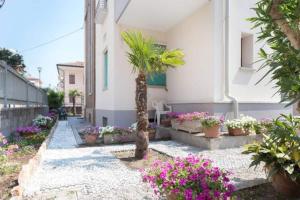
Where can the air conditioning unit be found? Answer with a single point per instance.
(101, 11)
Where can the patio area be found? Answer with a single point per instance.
(69, 172)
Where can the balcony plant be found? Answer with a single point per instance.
(242, 126)
(211, 126)
(189, 122)
(280, 153)
(28, 131)
(188, 178)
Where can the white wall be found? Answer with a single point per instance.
(243, 81)
(193, 83)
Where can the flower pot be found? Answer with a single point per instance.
(236, 132)
(151, 133)
(166, 122)
(91, 138)
(212, 132)
(191, 126)
(283, 184)
(171, 196)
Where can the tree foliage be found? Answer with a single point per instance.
(55, 99)
(14, 60)
(279, 23)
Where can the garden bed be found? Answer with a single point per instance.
(10, 178)
(127, 157)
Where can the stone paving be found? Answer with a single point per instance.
(68, 172)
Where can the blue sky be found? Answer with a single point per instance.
(27, 23)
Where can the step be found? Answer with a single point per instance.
(225, 141)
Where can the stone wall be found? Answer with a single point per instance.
(12, 118)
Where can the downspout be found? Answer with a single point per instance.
(227, 91)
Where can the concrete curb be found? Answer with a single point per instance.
(30, 168)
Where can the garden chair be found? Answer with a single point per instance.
(160, 109)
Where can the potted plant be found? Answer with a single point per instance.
(242, 126)
(280, 153)
(91, 135)
(191, 177)
(211, 126)
(28, 131)
(263, 126)
(189, 122)
(115, 135)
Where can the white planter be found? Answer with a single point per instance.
(193, 126)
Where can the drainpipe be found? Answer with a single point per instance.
(227, 92)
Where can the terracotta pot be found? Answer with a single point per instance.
(283, 184)
(236, 132)
(212, 132)
(91, 138)
(151, 134)
(171, 196)
(166, 122)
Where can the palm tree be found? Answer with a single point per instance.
(73, 94)
(147, 59)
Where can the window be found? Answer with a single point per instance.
(71, 79)
(246, 50)
(105, 70)
(158, 79)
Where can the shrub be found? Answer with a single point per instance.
(211, 121)
(28, 130)
(188, 178)
(42, 121)
(263, 126)
(5, 151)
(174, 115)
(280, 149)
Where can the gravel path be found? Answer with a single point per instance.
(68, 173)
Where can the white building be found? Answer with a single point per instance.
(220, 73)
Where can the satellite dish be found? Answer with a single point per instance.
(2, 3)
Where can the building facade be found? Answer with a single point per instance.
(71, 77)
(220, 47)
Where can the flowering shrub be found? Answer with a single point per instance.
(5, 150)
(211, 121)
(90, 130)
(189, 178)
(245, 122)
(52, 115)
(174, 115)
(263, 126)
(27, 130)
(42, 121)
(191, 116)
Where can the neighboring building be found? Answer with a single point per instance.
(71, 76)
(36, 81)
(218, 69)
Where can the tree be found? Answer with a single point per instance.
(73, 94)
(55, 99)
(14, 60)
(147, 59)
(279, 22)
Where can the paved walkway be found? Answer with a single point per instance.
(68, 172)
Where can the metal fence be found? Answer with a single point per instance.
(16, 91)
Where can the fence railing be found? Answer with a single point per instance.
(16, 91)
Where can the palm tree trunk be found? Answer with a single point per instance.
(74, 106)
(142, 139)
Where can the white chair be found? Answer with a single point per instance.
(160, 109)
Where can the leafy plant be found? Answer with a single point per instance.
(280, 149)
(188, 178)
(263, 126)
(278, 21)
(211, 121)
(147, 59)
(55, 99)
(73, 94)
(15, 60)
